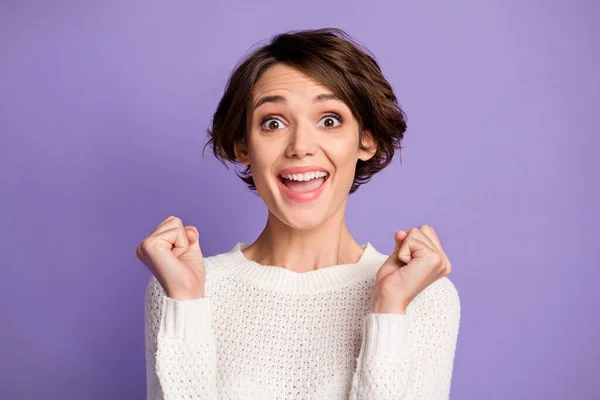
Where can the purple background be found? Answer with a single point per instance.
(103, 113)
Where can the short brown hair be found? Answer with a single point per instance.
(335, 60)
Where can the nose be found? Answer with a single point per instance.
(302, 142)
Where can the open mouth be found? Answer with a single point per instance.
(304, 182)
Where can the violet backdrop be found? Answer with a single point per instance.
(104, 107)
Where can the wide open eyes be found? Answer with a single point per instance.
(330, 121)
(272, 123)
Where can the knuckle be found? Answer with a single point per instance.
(141, 253)
(178, 221)
(427, 227)
(145, 245)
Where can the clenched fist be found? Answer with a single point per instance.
(172, 253)
(417, 261)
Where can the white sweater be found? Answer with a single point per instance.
(265, 332)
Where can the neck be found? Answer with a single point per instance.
(328, 244)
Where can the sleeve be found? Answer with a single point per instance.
(389, 367)
(180, 347)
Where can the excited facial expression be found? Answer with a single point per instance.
(302, 147)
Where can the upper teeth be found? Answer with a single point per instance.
(306, 176)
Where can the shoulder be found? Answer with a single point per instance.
(438, 299)
(443, 288)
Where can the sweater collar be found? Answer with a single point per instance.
(324, 279)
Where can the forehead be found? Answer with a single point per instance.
(281, 77)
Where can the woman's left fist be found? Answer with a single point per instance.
(418, 260)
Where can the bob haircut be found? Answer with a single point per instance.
(335, 60)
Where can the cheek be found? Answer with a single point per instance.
(262, 156)
(343, 153)
(254, 150)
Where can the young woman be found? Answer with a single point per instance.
(304, 312)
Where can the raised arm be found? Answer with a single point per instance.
(411, 356)
(180, 347)
(411, 294)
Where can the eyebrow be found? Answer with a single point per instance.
(269, 99)
(280, 99)
(326, 97)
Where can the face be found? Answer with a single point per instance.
(302, 147)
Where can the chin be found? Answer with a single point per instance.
(303, 220)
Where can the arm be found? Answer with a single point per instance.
(389, 368)
(180, 347)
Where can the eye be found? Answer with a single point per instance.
(330, 121)
(270, 123)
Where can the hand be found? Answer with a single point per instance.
(172, 253)
(418, 260)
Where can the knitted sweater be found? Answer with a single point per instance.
(265, 332)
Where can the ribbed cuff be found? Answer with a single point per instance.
(384, 336)
(186, 319)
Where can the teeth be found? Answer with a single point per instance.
(306, 176)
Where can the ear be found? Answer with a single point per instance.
(241, 152)
(369, 142)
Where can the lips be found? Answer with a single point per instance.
(302, 191)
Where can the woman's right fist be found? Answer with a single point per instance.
(172, 253)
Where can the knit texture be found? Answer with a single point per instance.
(264, 332)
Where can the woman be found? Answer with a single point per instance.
(304, 312)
